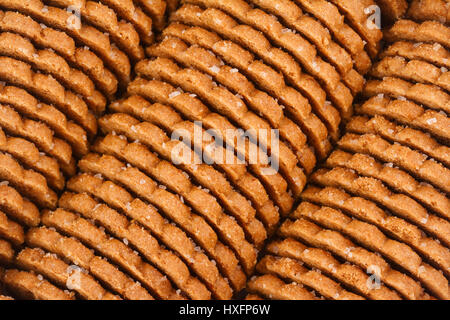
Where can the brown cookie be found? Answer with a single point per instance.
(249, 37)
(11, 230)
(348, 251)
(291, 269)
(139, 238)
(29, 286)
(28, 154)
(369, 212)
(156, 9)
(147, 215)
(259, 101)
(393, 177)
(47, 61)
(179, 182)
(49, 90)
(113, 249)
(172, 205)
(394, 251)
(416, 71)
(189, 284)
(358, 14)
(28, 182)
(392, 10)
(348, 274)
(74, 251)
(294, 18)
(271, 81)
(105, 19)
(428, 31)
(68, 22)
(390, 131)
(433, 53)
(422, 10)
(272, 287)
(376, 191)
(194, 109)
(227, 103)
(28, 106)
(38, 133)
(327, 13)
(18, 208)
(64, 275)
(6, 253)
(60, 42)
(408, 113)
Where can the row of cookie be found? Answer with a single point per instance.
(205, 47)
(89, 46)
(381, 201)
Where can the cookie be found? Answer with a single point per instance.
(358, 14)
(259, 101)
(17, 207)
(412, 70)
(423, 10)
(129, 11)
(172, 205)
(390, 131)
(60, 42)
(233, 52)
(89, 36)
(194, 109)
(392, 10)
(113, 249)
(294, 18)
(428, 31)
(408, 159)
(6, 253)
(408, 113)
(156, 9)
(219, 21)
(348, 251)
(90, 162)
(272, 287)
(38, 133)
(189, 284)
(49, 90)
(229, 104)
(348, 274)
(392, 250)
(376, 191)
(140, 239)
(367, 211)
(231, 200)
(254, 297)
(64, 275)
(28, 182)
(122, 33)
(433, 53)
(27, 153)
(29, 286)
(328, 14)
(393, 177)
(269, 80)
(288, 268)
(179, 182)
(11, 230)
(47, 61)
(76, 253)
(430, 96)
(170, 234)
(29, 106)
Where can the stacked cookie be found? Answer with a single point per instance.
(374, 221)
(62, 62)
